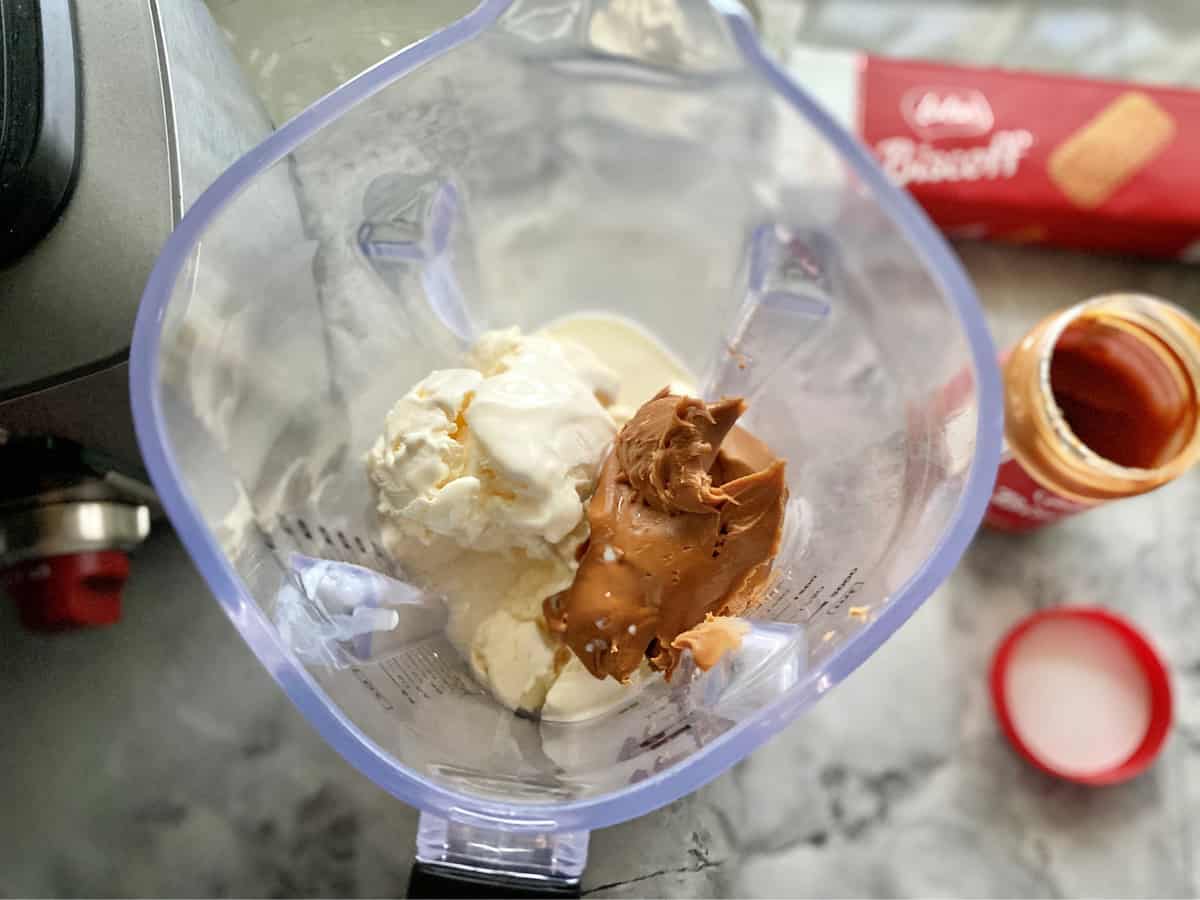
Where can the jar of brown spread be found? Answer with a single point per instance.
(1101, 402)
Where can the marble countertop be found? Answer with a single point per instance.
(158, 758)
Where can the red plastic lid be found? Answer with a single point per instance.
(77, 590)
(1082, 694)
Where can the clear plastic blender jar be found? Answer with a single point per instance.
(642, 157)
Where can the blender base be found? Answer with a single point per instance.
(496, 859)
(447, 881)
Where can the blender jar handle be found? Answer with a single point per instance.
(495, 858)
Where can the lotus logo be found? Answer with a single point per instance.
(947, 112)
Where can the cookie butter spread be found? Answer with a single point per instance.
(712, 639)
(685, 523)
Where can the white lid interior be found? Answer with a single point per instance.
(1077, 696)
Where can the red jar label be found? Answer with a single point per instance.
(1021, 504)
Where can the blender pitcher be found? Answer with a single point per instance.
(537, 158)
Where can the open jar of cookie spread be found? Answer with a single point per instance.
(1101, 402)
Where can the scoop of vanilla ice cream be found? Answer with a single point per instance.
(420, 460)
(495, 605)
(501, 455)
(496, 622)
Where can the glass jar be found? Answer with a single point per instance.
(1100, 403)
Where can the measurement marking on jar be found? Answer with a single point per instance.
(374, 691)
(841, 587)
(423, 672)
(813, 599)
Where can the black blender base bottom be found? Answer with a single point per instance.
(431, 881)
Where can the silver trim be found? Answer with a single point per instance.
(170, 124)
(59, 528)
